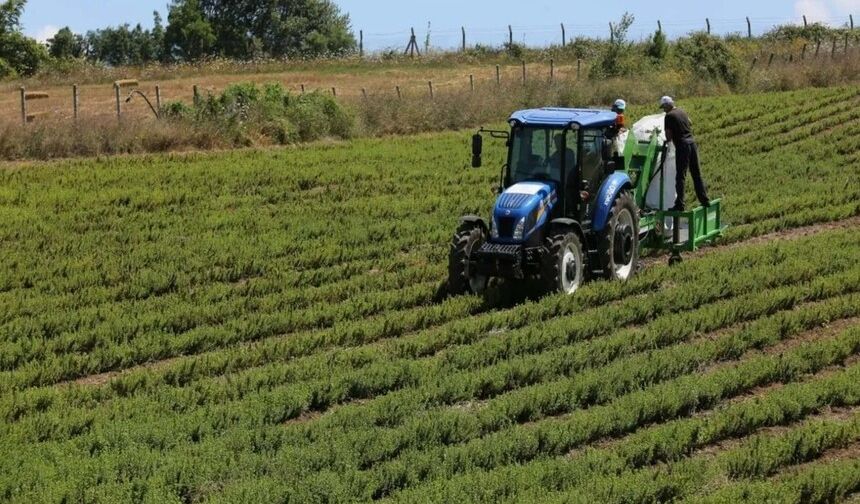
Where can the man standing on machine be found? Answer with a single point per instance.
(679, 131)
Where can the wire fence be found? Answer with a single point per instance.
(128, 95)
(559, 34)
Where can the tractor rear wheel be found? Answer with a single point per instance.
(461, 280)
(563, 269)
(619, 241)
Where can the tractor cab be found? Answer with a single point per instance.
(557, 178)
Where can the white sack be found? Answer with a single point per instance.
(642, 131)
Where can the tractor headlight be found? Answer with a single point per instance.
(494, 229)
(520, 229)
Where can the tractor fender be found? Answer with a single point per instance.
(474, 220)
(566, 223)
(609, 190)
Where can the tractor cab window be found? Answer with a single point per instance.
(592, 158)
(536, 154)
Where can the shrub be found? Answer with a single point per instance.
(708, 58)
(6, 70)
(657, 47)
(273, 112)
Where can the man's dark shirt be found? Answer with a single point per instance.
(678, 122)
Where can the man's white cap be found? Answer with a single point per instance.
(666, 100)
(620, 104)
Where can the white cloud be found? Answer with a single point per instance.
(814, 10)
(46, 32)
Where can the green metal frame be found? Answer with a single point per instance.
(704, 225)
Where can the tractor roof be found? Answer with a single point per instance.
(588, 118)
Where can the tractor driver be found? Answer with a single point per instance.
(555, 158)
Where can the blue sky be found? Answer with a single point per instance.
(386, 22)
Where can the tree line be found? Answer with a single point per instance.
(195, 29)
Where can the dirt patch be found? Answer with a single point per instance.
(823, 332)
(108, 376)
(307, 416)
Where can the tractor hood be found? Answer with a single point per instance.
(520, 210)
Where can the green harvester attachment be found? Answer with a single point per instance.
(662, 229)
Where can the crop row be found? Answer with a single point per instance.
(672, 441)
(700, 474)
(109, 356)
(492, 442)
(764, 267)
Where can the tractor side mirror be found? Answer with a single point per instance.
(607, 148)
(477, 148)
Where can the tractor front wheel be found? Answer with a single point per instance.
(563, 265)
(461, 280)
(619, 241)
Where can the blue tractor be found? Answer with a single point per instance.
(568, 207)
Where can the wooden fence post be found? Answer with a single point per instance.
(302, 87)
(708, 23)
(510, 36)
(803, 52)
(817, 47)
(398, 92)
(563, 36)
(119, 107)
(833, 49)
(334, 92)
(749, 28)
(804, 21)
(846, 43)
(498, 76)
(770, 60)
(578, 67)
(754, 61)
(851, 21)
(611, 34)
(430, 85)
(551, 69)
(471, 83)
(659, 26)
(23, 105)
(158, 98)
(196, 95)
(364, 93)
(463, 29)
(75, 101)
(360, 43)
(524, 72)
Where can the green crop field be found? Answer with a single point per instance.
(272, 326)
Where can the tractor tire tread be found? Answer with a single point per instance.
(458, 275)
(606, 261)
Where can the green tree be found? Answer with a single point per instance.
(657, 47)
(10, 16)
(19, 54)
(65, 44)
(610, 63)
(125, 45)
(189, 36)
(245, 28)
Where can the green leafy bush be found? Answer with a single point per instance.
(273, 112)
(709, 58)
